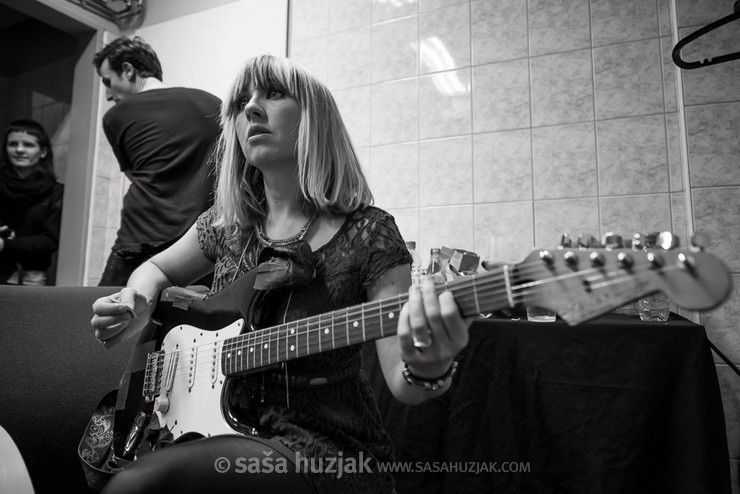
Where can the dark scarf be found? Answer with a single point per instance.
(18, 194)
(289, 266)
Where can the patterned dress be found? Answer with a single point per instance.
(339, 417)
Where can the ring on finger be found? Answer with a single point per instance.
(421, 345)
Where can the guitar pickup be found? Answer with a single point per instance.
(168, 376)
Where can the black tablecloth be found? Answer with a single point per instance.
(614, 405)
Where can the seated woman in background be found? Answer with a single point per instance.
(30, 205)
(290, 184)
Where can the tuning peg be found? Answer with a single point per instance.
(699, 241)
(612, 241)
(650, 240)
(565, 241)
(637, 241)
(589, 242)
(667, 241)
(582, 242)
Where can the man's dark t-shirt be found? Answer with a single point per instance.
(163, 139)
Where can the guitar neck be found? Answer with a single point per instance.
(350, 326)
(578, 284)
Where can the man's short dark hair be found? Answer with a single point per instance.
(132, 50)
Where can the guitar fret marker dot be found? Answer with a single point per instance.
(355, 324)
(326, 331)
(292, 348)
(390, 315)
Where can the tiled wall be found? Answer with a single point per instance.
(529, 118)
(109, 186)
(512, 118)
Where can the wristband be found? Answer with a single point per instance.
(432, 384)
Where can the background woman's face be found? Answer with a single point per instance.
(24, 150)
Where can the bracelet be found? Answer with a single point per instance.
(428, 384)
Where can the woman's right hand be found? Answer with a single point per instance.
(120, 316)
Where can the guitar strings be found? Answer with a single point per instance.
(349, 315)
(259, 338)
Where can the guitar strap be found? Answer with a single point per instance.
(95, 449)
(99, 463)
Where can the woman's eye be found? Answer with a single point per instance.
(275, 93)
(242, 103)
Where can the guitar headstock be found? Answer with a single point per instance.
(581, 283)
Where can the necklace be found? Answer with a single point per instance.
(284, 241)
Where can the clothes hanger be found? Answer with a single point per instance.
(701, 32)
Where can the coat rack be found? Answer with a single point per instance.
(701, 32)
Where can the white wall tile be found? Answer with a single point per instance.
(444, 104)
(395, 50)
(628, 79)
(564, 158)
(446, 171)
(502, 164)
(562, 96)
(558, 26)
(632, 155)
(501, 96)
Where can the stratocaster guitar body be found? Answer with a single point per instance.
(183, 367)
(180, 354)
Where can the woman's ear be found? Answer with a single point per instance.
(44, 152)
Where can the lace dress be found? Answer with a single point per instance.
(338, 418)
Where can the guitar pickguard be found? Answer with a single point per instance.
(192, 382)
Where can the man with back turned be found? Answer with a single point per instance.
(162, 138)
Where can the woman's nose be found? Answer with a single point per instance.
(253, 109)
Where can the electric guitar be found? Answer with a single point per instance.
(182, 366)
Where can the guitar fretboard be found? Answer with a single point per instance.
(357, 324)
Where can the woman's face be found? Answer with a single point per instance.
(267, 126)
(24, 150)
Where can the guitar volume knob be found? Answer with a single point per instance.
(161, 404)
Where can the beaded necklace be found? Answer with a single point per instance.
(285, 241)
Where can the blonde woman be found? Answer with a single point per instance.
(290, 185)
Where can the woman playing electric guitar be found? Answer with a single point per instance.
(292, 201)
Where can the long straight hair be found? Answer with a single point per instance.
(329, 172)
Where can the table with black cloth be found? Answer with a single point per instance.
(614, 405)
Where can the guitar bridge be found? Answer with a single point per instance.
(153, 375)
